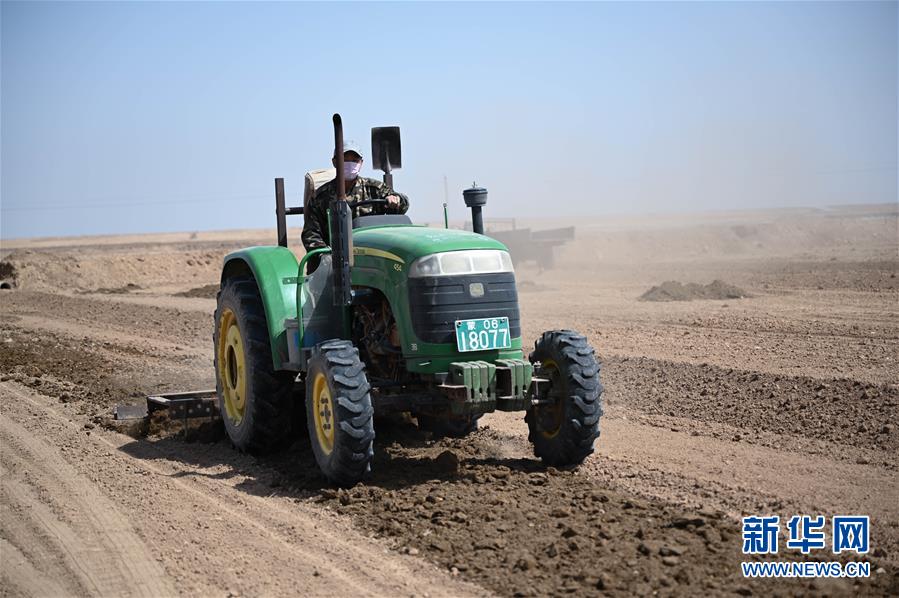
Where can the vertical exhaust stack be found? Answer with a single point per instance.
(281, 212)
(341, 227)
(476, 198)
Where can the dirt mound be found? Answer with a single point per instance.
(111, 270)
(208, 291)
(122, 290)
(673, 290)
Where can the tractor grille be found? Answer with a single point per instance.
(437, 302)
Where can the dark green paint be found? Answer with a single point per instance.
(275, 269)
(391, 277)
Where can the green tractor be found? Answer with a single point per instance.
(397, 317)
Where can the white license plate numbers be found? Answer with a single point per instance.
(483, 334)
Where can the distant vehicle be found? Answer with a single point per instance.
(526, 245)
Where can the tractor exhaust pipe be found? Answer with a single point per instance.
(341, 227)
(476, 198)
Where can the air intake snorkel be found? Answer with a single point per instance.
(341, 227)
(476, 198)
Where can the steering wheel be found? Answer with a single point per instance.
(371, 202)
(368, 202)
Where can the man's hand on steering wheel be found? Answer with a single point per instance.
(370, 202)
(391, 201)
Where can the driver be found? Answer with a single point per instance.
(357, 188)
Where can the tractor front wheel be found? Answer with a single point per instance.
(255, 401)
(563, 429)
(339, 412)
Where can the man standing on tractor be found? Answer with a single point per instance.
(357, 189)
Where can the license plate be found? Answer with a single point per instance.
(483, 334)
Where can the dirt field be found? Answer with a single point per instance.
(784, 401)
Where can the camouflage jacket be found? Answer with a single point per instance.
(315, 219)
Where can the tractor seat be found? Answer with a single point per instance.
(381, 220)
(314, 181)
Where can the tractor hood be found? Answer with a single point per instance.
(411, 242)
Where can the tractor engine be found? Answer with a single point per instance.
(377, 336)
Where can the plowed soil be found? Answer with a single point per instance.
(783, 402)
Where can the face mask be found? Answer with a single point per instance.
(351, 170)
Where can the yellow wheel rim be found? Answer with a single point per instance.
(232, 368)
(323, 410)
(555, 410)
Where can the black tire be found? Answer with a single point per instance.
(563, 433)
(341, 427)
(262, 425)
(448, 427)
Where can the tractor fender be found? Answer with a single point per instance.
(275, 270)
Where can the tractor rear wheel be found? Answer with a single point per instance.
(563, 431)
(339, 412)
(449, 427)
(255, 401)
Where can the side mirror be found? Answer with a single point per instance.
(386, 153)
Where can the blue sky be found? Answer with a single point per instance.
(139, 117)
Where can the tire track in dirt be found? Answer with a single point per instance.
(20, 577)
(212, 536)
(99, 550)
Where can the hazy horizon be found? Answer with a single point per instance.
(126, 118)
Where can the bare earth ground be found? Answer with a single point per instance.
(783, 403)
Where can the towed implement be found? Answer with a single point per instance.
(397, 317)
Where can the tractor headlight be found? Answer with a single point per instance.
(455, 263)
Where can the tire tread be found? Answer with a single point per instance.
(583, 409)
(270, 400)
(350, 460)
